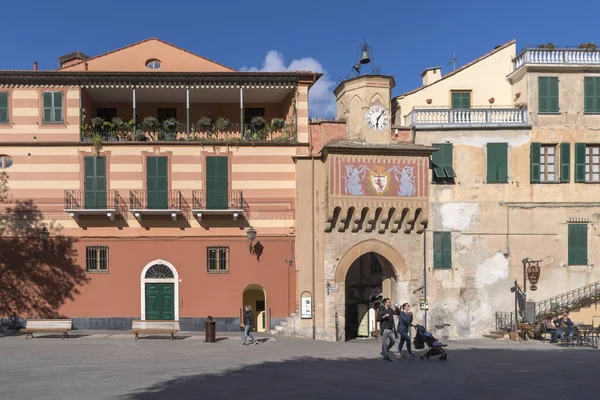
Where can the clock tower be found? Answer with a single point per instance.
(364, 103)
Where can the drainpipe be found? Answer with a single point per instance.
(425, 274)
(313, 205)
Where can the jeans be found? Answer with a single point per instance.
(404, 338)
(387, 336)
(560, 332)
(247, 334)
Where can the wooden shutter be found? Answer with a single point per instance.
(57, 107)
(588, 94)
(580, 162)
(553, 94)
(89, 182)
(497, 162)
(3, 107)
(217, 183)
(448, 157)
(461, 99)
(438, 257)
(437, 159)
(446, 250)
(577, 244)
(157, 182)
(548, 94)
(100, 172)
(565, 162)
(47, 106)
(534, 160)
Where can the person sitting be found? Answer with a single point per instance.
(563, 325)
(548, 326)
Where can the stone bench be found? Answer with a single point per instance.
(155, 327)
(47, 326)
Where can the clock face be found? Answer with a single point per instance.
(377, 118)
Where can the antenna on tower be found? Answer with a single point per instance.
(453, 61)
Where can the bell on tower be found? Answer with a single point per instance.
(366, 58)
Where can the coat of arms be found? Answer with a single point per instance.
(379, 178)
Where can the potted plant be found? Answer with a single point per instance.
(150, 125)
(97, 142)
(549, 46)
(277, 124)
(588, 46)
(222, 124)
(204, 123)
(429, 101)
(492, 100)
(258, 128)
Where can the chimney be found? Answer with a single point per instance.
(85, 65)
(431, 75)
(35, 66)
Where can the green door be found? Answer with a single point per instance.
(94, 183)
(217, 183)
(157, 183)
(160, 301)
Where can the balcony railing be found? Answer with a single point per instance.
(563, 56)
(448, 118)
(214, 200)
(142, 200)
(197, 133)
(78, 200)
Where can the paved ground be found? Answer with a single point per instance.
(117, 367)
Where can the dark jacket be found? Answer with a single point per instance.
(405, 321)
(248, 319)
(386, 322)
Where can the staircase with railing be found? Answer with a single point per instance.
(571, 300)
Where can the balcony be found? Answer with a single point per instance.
(230, 202)
(423, 118)
(157, 202)
(563, 56)
(80, 202)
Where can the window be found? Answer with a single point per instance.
(587, 162)
(153, 64)
(544, 160)
(578, 244)
(217, 259)
(3, 107)
(5, 161)
(442, 163)
(53, 108)
(547, 94)
(442, 250)
(497, 162)
(106, 114)
(96, 258)
(591, 90)
(461, 99)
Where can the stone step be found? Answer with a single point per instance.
(502, 333)
(494, 336)
(284, 323)
(279, 328)
(274, 332)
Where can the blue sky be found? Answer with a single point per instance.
(406, 36)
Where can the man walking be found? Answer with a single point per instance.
(385, 317)
(248, 323)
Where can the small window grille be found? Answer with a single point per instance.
(96, 259)
(217, 259)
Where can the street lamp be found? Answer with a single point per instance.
(251, 235)
(44, 235)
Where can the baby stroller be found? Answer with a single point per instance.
(423, 338)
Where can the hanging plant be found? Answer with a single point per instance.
(97, 142)
(222, 124)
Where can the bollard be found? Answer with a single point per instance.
(210, 330)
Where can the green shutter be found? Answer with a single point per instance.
(94, 184)
(577, 244)
(442, 250)
(437, 159)
(565, 162)
(588, 94)
(461, 99)
(534, 160)
(3, 107)
(548, 94)
(579, 162)
(157, 182)
(217, 183)
(497, 162)
(58, 107)
(448, 157)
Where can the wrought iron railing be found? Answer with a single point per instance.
(197, 133)
(576, 298)
(505, 321)
(82, 200)
(218, 200)
(157, 200)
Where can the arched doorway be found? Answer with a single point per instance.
(255, 296)
(160, 291)
(369, 279)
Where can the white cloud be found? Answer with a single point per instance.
(321, 100)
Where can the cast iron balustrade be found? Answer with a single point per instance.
(556, 56)
(468, 118)
(157, 202)
(201, 134)
(81, 202)
(576, 298)
(505, 321)
(215, 202)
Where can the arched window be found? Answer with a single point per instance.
(159, 271)
(153, 64)
(5, 161)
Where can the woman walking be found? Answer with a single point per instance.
(248, 323)
(404, 323)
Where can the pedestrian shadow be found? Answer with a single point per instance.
(467, 374)
(162, 337)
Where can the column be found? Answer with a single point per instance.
(241, 113)
(187, 112)
(134, 120)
